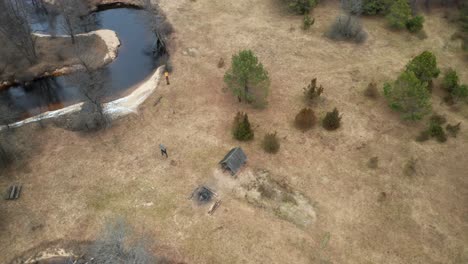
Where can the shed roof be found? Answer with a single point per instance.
(234, 160)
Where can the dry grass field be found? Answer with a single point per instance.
(74, 182)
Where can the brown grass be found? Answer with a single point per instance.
(78, 181)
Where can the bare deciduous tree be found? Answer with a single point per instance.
(114, 245)
(159, 25)
(353, 7)
(73, 12)
(15, 28)
(90, 83)
(347, 27)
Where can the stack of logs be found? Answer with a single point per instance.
(13, 192)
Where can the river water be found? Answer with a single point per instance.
(133, 64)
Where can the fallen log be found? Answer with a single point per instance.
(214, 207)
(18, 191)
(12, 193)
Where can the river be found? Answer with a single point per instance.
(133, 64)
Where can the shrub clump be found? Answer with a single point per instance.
(271, 143)
(312, 92)
(305, 119)
(347, 27)
(241, 128)
(435, 130)
(301, 7)
(409, 96)
(307, 22)
(399, 14)
(457, 91)
(450, 80)
(375, 7)
(424, 66)
(415, 24)
(371, 90)
(453, 129)
(332, 120)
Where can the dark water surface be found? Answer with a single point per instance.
(133, 64)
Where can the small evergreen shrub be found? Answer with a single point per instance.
(271, 143)
(460, 93)
(371, 90)
(305, 119)
(312, 92)
(450, 81)
(436, 131)
(415, 24)
(332, 120)
(307, 22)
(347, 28)
(301, 7)
(409, 96)
(241, 127)
(374, 7)
(399, 14)
(453, 129)
(424, 66)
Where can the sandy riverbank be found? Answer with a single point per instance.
(115, 109)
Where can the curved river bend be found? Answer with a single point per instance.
(133, 64)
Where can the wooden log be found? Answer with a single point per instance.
(157, 101)
(12, 193)
(7, 195)
(214, 207)
(18, 192)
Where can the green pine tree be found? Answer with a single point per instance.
(241, 128)
(409, 96)
(247, 78)
(424, 66)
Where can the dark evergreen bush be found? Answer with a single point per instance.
(375, 7)
(415, 24)
(301, 7)
(450, 80)
(436, 131)
(332, 120)
(305, 119)
(241, 127)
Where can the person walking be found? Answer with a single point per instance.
(163, 150)
(166, 74)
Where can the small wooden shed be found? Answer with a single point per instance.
(234, 160)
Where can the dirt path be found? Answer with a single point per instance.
(74, 182)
